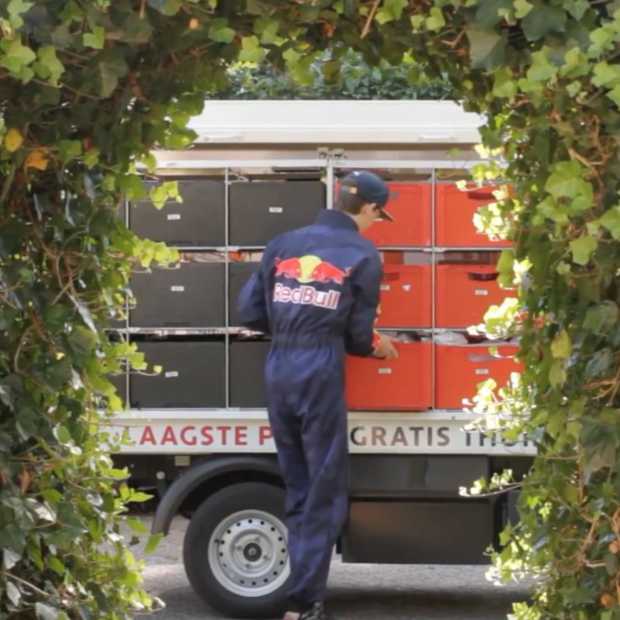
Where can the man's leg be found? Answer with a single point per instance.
(291, 459)
(324, 436)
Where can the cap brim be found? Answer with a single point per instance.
(384, 215)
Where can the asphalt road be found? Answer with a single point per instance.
(356, 591)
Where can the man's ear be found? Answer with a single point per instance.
(369, 208)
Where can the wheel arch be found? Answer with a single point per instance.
(208, 477)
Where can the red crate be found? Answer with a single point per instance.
(459, 369)
(406, 296)
(465, 292)
(455, 211)
(401, 384)
(410, 206)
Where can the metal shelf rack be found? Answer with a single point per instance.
(327, 167)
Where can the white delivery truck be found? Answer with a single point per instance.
(200, 432)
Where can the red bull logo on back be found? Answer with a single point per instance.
(307, 269)
(289, 268)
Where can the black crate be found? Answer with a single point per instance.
(260, 210)
(247, 373)
(193, 375)
(190, 296)
(197, 221)
(239, 274)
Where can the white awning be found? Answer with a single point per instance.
(328, 122)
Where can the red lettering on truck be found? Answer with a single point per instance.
(264, 435)
(169, 436)
(148, 436)
(205, 431)
(188, 441)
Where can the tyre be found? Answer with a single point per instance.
(235, 551)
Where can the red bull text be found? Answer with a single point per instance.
(305, 295)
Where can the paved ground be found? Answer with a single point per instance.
(357, 591)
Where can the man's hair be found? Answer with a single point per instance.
(349, 202)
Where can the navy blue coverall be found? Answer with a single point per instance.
(316, 292)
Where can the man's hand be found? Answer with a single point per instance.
(385, 348)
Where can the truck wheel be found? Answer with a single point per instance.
(235, 550)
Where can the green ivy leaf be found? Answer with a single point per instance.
(614, 95)
(133, 187)
(543, 19)
(583, 248)
(606, 74)
(390, 11)
(251, 50)
(94, 39)
(48, 66)
(56, 565)
(611, 221)
(137, 525)
(522, 8)
(111, 69)
(435, 21)
(166, 7)
(482, 44)
(504, 85)
(16, 56)
(63, 435)
(491, 12)
(577, 8)
(561, 345)
(267, 29)
(575, 64)
(601, 318)
(16, 9)
(557, 373)
(164, 192)
(152, 543)
(541, 70)
(220, 31)
(417, 21)
(602, 39)
(69, 149)
(566, 180)
(505, 268)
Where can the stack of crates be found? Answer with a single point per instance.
(439, 276)
(185, 318)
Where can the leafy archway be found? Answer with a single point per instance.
(88, 87)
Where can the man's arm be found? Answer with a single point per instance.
(365, 281)
(252, 302)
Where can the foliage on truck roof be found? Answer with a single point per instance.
(354, 78)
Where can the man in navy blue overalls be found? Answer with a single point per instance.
(316, 292)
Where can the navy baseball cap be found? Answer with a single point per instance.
(370, 187)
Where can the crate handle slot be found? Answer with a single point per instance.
(477, 358)
(390, 277)
(480, 195)
(482, 277)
